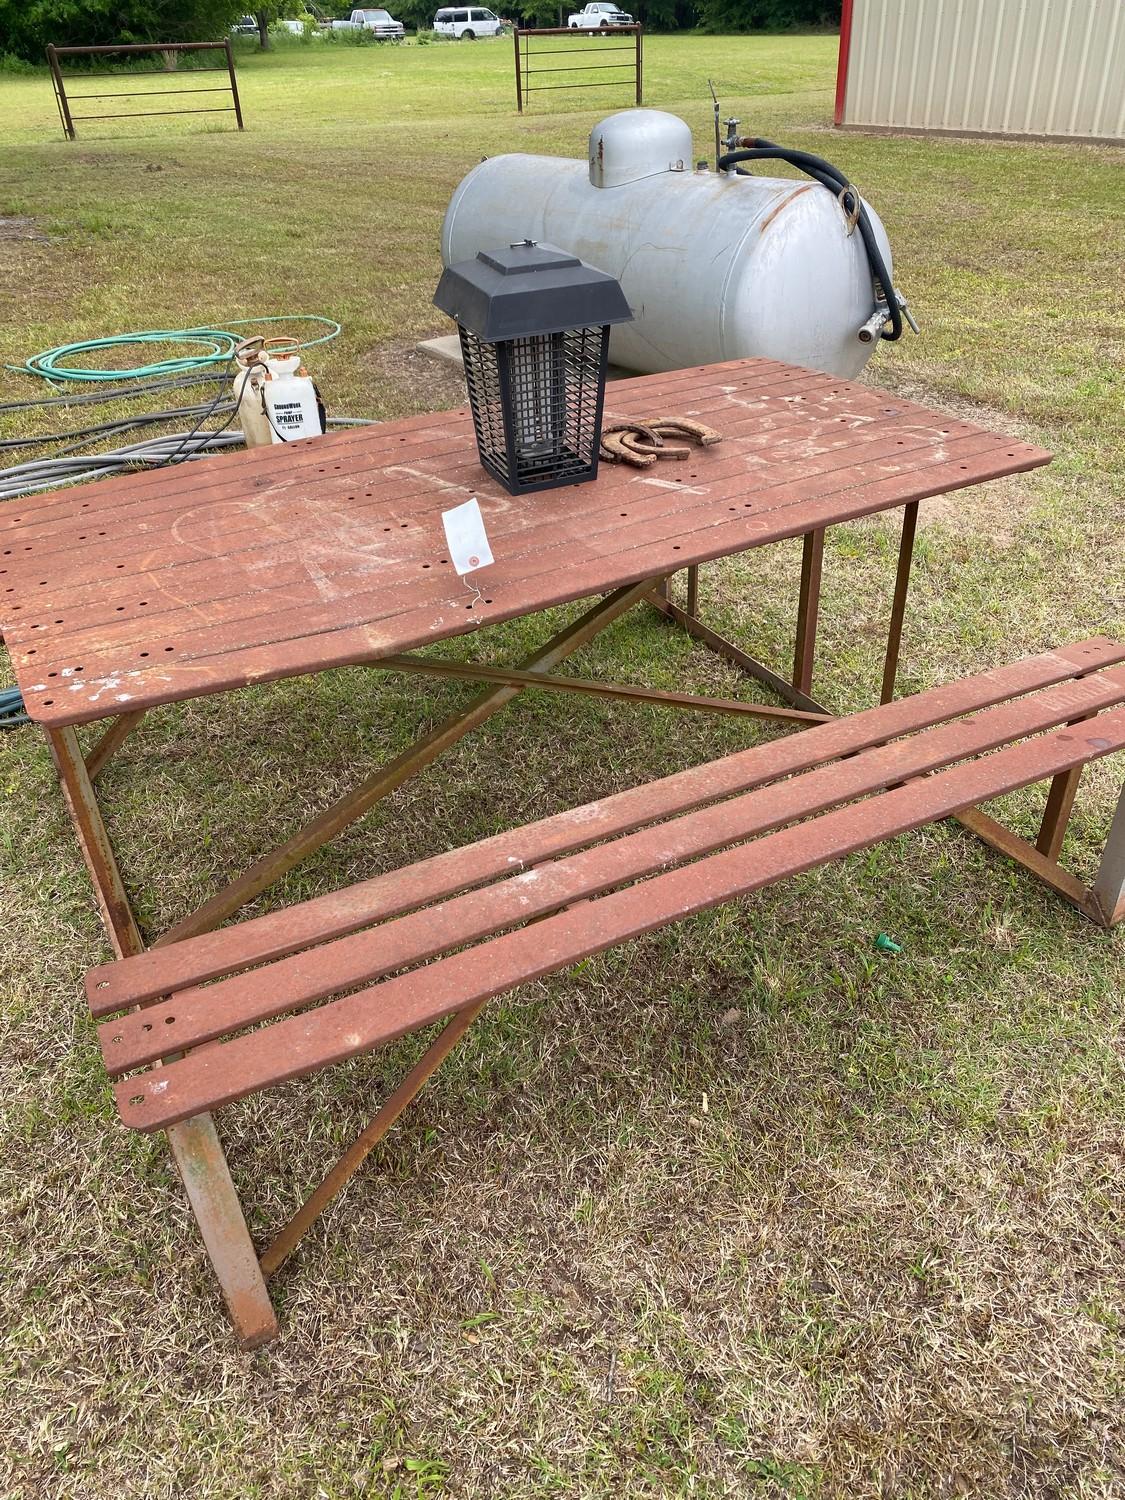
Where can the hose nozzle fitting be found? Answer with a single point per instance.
(873, 328)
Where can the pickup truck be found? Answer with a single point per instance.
(598, 16)
(380, 23)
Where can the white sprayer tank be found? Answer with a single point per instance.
(713, 266)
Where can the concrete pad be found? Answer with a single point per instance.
(448, 347)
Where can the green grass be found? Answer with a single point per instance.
(740, 1209)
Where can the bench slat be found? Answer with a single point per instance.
(302, 1044)
(198, 1015)
(162, 971)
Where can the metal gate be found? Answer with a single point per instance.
(531, 62)
(64, 100)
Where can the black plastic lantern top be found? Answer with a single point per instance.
(528, 289)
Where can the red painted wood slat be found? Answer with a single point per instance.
(301, 1044)
(169, 605)
(201, 1014)
(133, 980)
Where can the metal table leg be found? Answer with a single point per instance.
(1107, 894)
(898, 607)
(808, 610)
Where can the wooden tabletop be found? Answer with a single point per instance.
(158, 586)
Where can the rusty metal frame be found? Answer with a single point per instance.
(195, 1145)
(68, 118)
(524, 71)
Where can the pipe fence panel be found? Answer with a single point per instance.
(534, 60)
(64, 100)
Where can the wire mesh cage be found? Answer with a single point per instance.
(534, 325)
(537, 405)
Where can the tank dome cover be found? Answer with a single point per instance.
(638, 143)
(528, 289)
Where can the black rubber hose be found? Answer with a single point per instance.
(106, 429)
(830, 177)
(119, 392)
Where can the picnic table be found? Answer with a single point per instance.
(163, 586)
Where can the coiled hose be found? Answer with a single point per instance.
(217, 345)
(832, 178)
(11, 709)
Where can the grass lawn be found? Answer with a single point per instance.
(742, 1209)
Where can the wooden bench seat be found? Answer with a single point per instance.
(688, 832)
(184, 1027)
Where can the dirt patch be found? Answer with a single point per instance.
(20, 227)
(992, 511)
(422, 382)
(94, 158)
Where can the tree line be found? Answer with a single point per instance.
(26, 26)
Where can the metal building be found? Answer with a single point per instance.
(1047, 68)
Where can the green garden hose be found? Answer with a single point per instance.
(217, 346)
(11, 709)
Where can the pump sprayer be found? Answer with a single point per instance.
(277, 399)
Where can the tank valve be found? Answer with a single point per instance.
(873, 328)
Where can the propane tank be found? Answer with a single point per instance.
(715, 266)
(292, 407)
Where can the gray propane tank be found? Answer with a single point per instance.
(715, 266)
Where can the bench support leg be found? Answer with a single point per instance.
(1107, 894)
(117, 733)
(1056, 814)
(211, 1193)
(734, 654)
(195, 1144)
(287, 1239)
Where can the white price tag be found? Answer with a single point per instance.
(466, 537)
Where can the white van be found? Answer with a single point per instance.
(466, 25)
